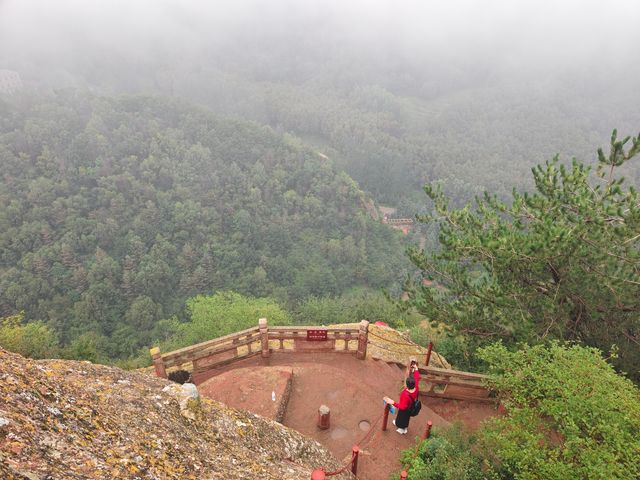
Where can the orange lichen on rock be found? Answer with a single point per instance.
(390, 345)
(69, 419)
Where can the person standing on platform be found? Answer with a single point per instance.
(407, 398)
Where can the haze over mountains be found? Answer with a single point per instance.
(116, 210)
(398, 93)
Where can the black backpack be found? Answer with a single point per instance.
(415, 407)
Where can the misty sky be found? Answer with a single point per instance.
(508, 35)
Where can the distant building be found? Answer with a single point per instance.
(404, 224)
(387, 211)
(10, 82)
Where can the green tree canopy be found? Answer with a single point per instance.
(569, 415)
(227, 312)
(351, 307)
(33, 339)
(115, 211)
(560, 262)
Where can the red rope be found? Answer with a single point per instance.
(377, 345)
(338, 472)
(393, 341)
(371, 430)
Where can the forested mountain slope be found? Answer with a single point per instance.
(394, 138)
(391, 94)
(113, 211)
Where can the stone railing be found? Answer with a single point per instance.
(262, 340)
(314, 339)
(445, 383)
(265, 341)
(399, 221)
(453, 384)
(209, 354)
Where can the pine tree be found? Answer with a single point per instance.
(561, 262)
(67, 256)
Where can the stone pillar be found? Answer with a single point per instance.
(157, 362)
(264, 336)
(363, 338)
(324, 417)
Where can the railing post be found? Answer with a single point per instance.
(354, 459)
(363, 338)
(318, 474)
(264, 336)
(385, 419)
(428, 359)
(427, 432)
(157, 362)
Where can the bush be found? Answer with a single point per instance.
(34, 339)
(454, 348)
(569, 415)
(446, 455)
(358, 304)
(89, 346)
(227, 312)
(321, 311)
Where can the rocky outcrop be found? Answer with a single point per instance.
(76, 420)
(390, 345)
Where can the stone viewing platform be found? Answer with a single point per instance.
(348, 368)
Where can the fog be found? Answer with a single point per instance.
(431, 88)
(500, 38)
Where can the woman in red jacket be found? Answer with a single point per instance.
(407, 397)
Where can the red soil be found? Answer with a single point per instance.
(352, 389)
(252, 389)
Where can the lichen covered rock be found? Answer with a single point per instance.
(77, 420)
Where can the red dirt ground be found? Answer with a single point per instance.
(251, 389)
(352, 389)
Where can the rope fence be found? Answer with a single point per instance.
(409, 344)
(417, 353)
(320, 474)
(341, 469)
(377, 345)
(365, 438)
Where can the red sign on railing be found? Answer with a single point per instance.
(316, 335)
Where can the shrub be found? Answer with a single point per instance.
(569, 415)
(33, 339)
(446, 455)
